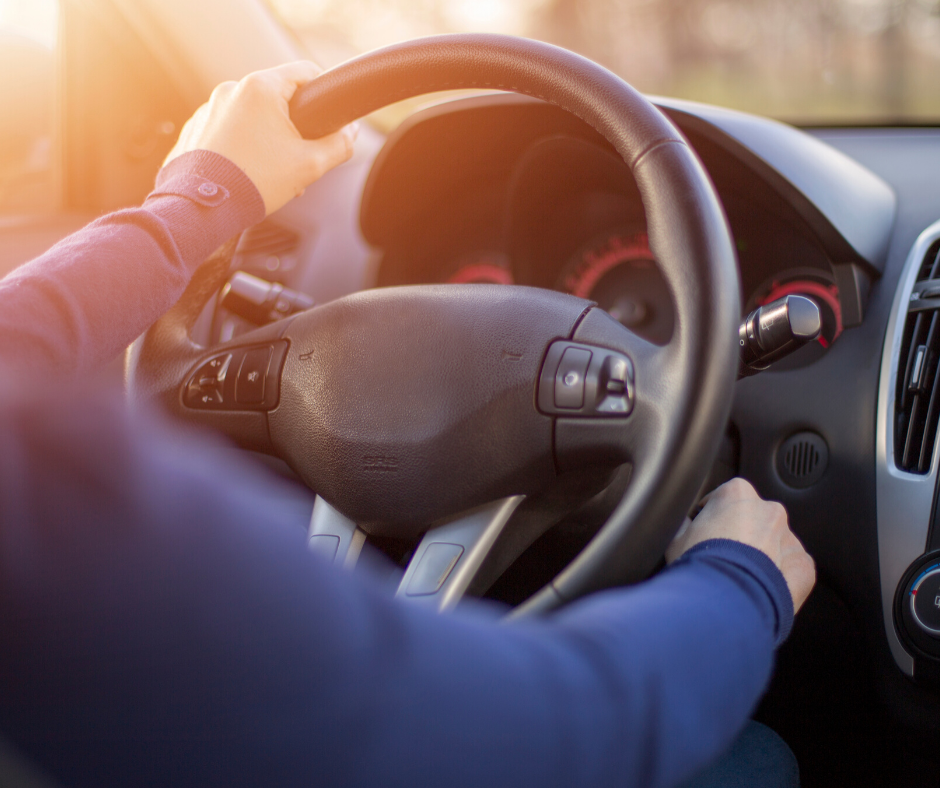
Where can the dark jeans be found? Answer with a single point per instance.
(758, 759)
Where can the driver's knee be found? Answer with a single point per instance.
(759, 758)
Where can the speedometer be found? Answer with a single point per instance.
(619, 272)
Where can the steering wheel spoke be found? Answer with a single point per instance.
(450, 556)
(334, 536)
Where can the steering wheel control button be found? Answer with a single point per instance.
(616, 386)
(925, 601)
(206, 388)
(249, 386)
(216, 385)
(569, 379)
(584, 380)
(433, 569)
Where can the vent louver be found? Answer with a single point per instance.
(268, 250)
(917, 396)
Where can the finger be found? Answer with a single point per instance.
(736, 489)
(733, 492)
(800, 572)
(222, 91)
(677, 545)
(324, 154)
(291, 76)
(182, 143)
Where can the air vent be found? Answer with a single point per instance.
(928, 269)
(268, 250)
(917, 396)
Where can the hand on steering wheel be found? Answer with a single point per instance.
(249, 123)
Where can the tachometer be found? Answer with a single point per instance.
(619, 272)
(481, 268)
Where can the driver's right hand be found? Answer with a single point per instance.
(735, 511)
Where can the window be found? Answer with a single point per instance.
(28, 159)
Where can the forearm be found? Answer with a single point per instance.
(163, 602)
(79, 304)
(638, 687)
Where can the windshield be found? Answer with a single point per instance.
(804, 61)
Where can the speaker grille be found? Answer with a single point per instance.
(802, 459)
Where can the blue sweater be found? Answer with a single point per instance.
(164, 624)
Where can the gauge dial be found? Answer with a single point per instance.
(480, 268)
(619, 272)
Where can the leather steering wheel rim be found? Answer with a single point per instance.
(690, 396)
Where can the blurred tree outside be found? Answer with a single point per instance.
(805, 61)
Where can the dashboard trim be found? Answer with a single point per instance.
(904, 500)
(833, 192)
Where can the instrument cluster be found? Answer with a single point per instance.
(568, 217)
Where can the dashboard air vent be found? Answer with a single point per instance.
(917, 397)
(267, 250)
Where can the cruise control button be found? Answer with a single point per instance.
(249, 385)
(569, 379)
(211, 398)
(616, 385)
(206, 388)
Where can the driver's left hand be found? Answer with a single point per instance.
(249, 123)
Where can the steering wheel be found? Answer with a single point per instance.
(467, 413)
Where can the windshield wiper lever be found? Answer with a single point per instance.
(775, 330)
(259, 301)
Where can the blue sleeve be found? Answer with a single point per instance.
(164, 624)
(82, 302)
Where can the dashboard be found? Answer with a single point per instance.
(502, 189)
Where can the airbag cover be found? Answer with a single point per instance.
(402, 405)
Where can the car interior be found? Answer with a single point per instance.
(485, 188)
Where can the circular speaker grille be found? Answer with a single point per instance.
(802, 459)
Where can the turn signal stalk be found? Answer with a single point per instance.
(775, 330)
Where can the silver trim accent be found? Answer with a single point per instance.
(914, 589)
(325, 521)
(903, 499)
(476, 532)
